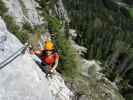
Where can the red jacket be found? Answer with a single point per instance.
(50, 59)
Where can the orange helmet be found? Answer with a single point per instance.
(48, 45)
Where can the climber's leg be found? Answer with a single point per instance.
(45, 68)
(37, 59)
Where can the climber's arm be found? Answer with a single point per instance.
(55, 65)
(38, 51)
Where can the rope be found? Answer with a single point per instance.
(12, 57)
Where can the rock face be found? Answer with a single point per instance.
(60, 10)
(59, 89)
(23, 11)
(21, 79)
(9, 39)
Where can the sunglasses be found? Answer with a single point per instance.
(49, 50)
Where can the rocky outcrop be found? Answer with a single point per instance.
(61, 11)
(23, 11)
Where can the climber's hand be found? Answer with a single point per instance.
(38, 52)
(52, 70)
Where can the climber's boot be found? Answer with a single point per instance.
(49, 74)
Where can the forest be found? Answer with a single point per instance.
(105, 28)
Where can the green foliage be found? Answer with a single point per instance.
(68, 65)
(131, 11)
(3, 9)
(69, 61)
(13, 28)
(23, 36)
(129, 96)
(11, 24)
(28, 27)
(45, 6)
(54, 24)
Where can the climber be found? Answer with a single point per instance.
(47, 56)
